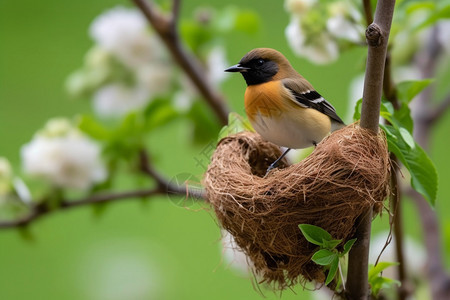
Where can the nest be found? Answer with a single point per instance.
(346, 174)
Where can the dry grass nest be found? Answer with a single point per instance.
(345, 175)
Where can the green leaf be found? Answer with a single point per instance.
(331, 244)
(407, 137)
(407, 90)
(381, 266)
(381, 283)
(159, 113)
(91, 127)
(348, 246)
(439, 14)
(357, 113)
(415, 159)
(333, 270)
(236, 124)
(324, 257)
(315, 234)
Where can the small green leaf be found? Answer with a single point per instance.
(348, 246)
(236, 124)
(333, 270)
(315, 234)
(91, 127)
(423, 172)
(324, 257)
(407, 137)
(381, 266)
(357, 113)
(407, 90)
(382, 283)
(331, 244)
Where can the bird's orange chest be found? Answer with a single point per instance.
(265, 99)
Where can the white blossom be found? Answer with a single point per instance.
(299, 7)
(321, 50)
(124, 32)
(156, 77)
(117, 99)
(64, 157)
(5, 176)
(216, 62)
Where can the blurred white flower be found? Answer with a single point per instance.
(156, 77)
(124, 32)
(233, 255)
(216, 62)
(5, 176)
(117, 99)
(68, 159)
(345, 22)
(321, 49)
(299, 7)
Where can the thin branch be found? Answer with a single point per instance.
(166, 28)
(377, 35)
(41, 209)
(163, 187)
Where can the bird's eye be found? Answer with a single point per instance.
(260, 62)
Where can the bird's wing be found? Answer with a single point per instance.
(309, 98)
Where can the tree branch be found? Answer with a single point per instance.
(377, 35)
(163, 187)
(166, 28)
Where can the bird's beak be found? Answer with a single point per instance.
(237, 68)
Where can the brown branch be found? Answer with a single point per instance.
(166, 28)
(163, 187)
(377, 35)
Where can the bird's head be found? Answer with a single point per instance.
(262, 65)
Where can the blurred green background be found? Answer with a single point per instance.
(155, 249)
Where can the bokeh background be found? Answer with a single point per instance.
(140, 249)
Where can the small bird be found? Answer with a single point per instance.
(282, 106)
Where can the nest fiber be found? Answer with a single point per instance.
(345, 175)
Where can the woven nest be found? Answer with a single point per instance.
(345, 175)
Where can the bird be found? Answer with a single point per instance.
(282, 106)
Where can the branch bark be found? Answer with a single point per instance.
(166, 28)
(377, 35)
(163, 187)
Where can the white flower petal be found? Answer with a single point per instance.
(116, 100)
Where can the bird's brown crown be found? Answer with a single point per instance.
(265, 64)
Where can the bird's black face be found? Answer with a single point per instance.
(255, 70)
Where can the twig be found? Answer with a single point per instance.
(163, 187)
(166, 28)
(377, 35)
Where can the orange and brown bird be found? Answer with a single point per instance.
(282, 106)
